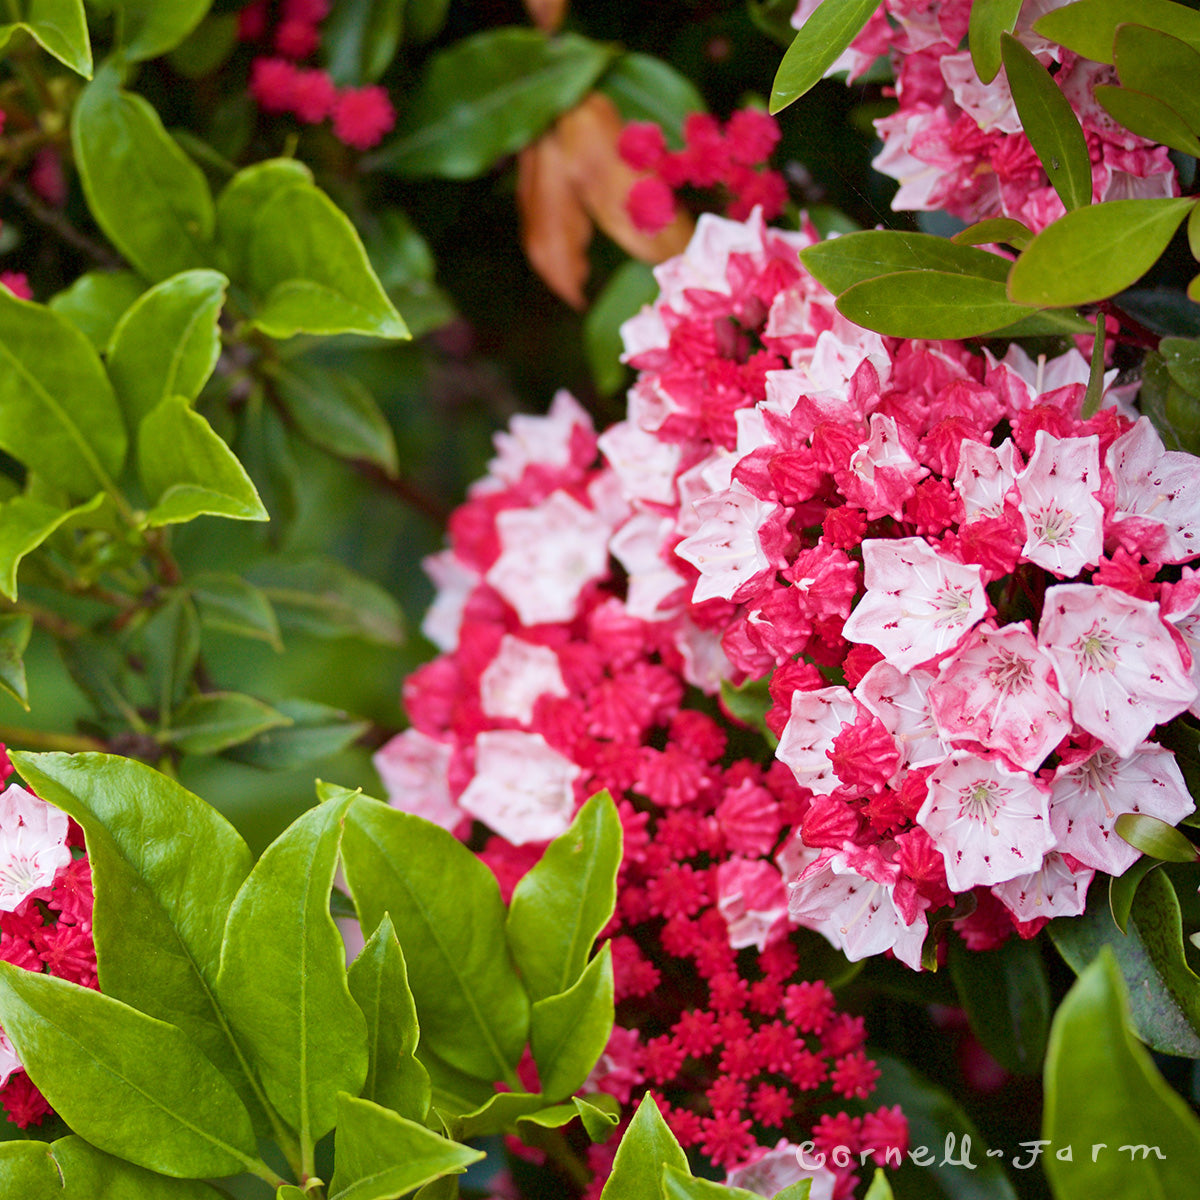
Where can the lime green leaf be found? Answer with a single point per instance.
(681, 1185)
(1165, 992)
(150, 199)
(880, 1189)
(645, 88)
(27, 1171)
(283, 976)
(214, 721)
(990, 19)
(1089, 27)
(1129, 1104)
(1123, 888)
(473, 1010)
(498, 1114)
(167, 343)
(568, 1032)
(1156, 838)
(229, 603)
(647, 1147)
(630, 286)
(360, 38)
(598, 1122)
(289, 1191)
(1161, 66)
(58, 413)
(314, 731)
(379, 984)
(834, 25)
(90, 1174)
(487, 96)
(58, 26)
(995, 229)
(187, 470)
(1050, 124)
(15, 631)
(243, 199)
(131, 1085)
(152, 28)
(1095, 252)
(380, 1155)
(95, 302)
(1148, 117)
(24, 525)
(1007, 1000)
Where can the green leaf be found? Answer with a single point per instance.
(1161, 66)
(315, 731)
(188, 471)
(647, 1147)
(379, 984)
(1123, 888)
(360, 38)
(995, 229)
(406, 268)
(1165, 992)
(379, 1155)
(1182, 356)
(1089, 27)
(95, 301)
(58, 413)
(568, 1032)
(1007, 999)
(880, 1188)
(58, 26)
(131, 1085)
(598, 1122)
(27, 1171)
(25, 524)
(1148, 117)
(560, 905)
(645, 88)
(1156, 838)
(990, 19)
(1096, 251)
(15, 631)
(243, 199)
(748, 703)
(328, 600)
(90, 1174)
(306, 263)
(283, 976)
(473, 1010)
(229, 603)
(150, 199)
(629, 287)
(167, 343)
(170, 646)
(498, 1114)
(681, 1185)
(1050, 124)
(152, 28)
(335, 411)
(486, 96)
(1129, 1104)
(214, 721)
(207, 48)
(830, 29)
(1175, 412)
(425, 20)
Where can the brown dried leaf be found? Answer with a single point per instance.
(547, 15)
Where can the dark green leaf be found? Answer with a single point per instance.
(487, 96)
(645, 88)
(568, 1032)
(1096, 251)
(834, 25)
(379, 984)
(1050, 124)
(380, 1155)
(243, 199)
(25, 524)
(167, 343)
(95, 302)
(170, 645)
(1175, 412)
(150, 199)
(474, 1013)
(1156, 838)
(1095, 385)
(214, 721)
(58, 26)
(1148, 117)
(316, 731)
(648, 1146)
(359, 39)
(131, 1085)
(15, 631)
(1129, 1104)
(749, 703)
(229, 603)
(424, 21)
(27, 1172)
(995, 229)
(208, 47)
(1089, 27)
(989, 20)
(774, 18)
(283, 976)
(58, 414)
(1123, 888)
(1164, 991)
(90, 1174)
(188, 471)
(629, 287)
(152, 28)
(100, 671)
(1182, 356)
(405, 266)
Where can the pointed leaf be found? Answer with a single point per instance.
(25, 524)
(90, 1174)
(15, 631)
(648, 1146)
(682, 1185)
(569, 1032)
(880, 1188)
(229, 603)
(95, 301)
(990, 19)
(243, 199)
(360, 38)
(1161, 66)
(995, 229)
(598, 1122)
(498, 1114)
(1089, 27)
(1148, 117)
(818, 45)
(214, 721)
(560, 905)
(59, 27)
(314, 731)
(1123, 888)
(283, 976)
(1156, 838)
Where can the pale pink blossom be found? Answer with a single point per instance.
(753, 900)
(548, 441)
(816, 719)
(727, 549)
(454, 582)
(9, 1062)
(1181, 607)
(1055, 890)
(901, 702)
(645, 465)
(770, 1171)
(33, 845)
(638, 547)
(883, 471)
(985, 476)
(1063, 519)
(516, 677)
(414, 769)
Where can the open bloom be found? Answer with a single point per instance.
(33, 845)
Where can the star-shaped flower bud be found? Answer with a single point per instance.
(726, 549)
(1063, 519)
(516, 677)
(414, 769)
(1056, 890)
(33, 845)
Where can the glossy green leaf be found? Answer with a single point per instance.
(379, 1155)
(308, 267)
(131, 1085)
(1156, 838)
(569, 1032)
(242, 200)
(58, 413)
(486, 96)
(1096, 251)
(188, 471)
(150, 199)
(289, 1191)
(95, 301)
(1164, 991)
(58, 26)
(1123, 888)
(169, 643)
(167, 343)
(630, 286)
(15, 631)
(335, 411)
(1007, 1000)
(473, 1010)
(995, 229)
(90, 1174)
(1160, 66)
(1148, 117)
(25, 524)
(359, 39)
(682, 1185)
(880, 1188)
(152, 28)
(1050, 124)
(990, 19)
(1092, 1054)
(830, 29)
(283, 976)
(598, 1122)
(645, 88)
(315, 731)
(1089, 27)
(229, 603)
(1182, 358)
(28, 1172)
(379, 984)
(563, 902)
(647, 1147)
(214, 721)
(500, 1113)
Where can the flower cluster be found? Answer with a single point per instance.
(956, 144)
(731, 160)
(360, 116)
(45, 916)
